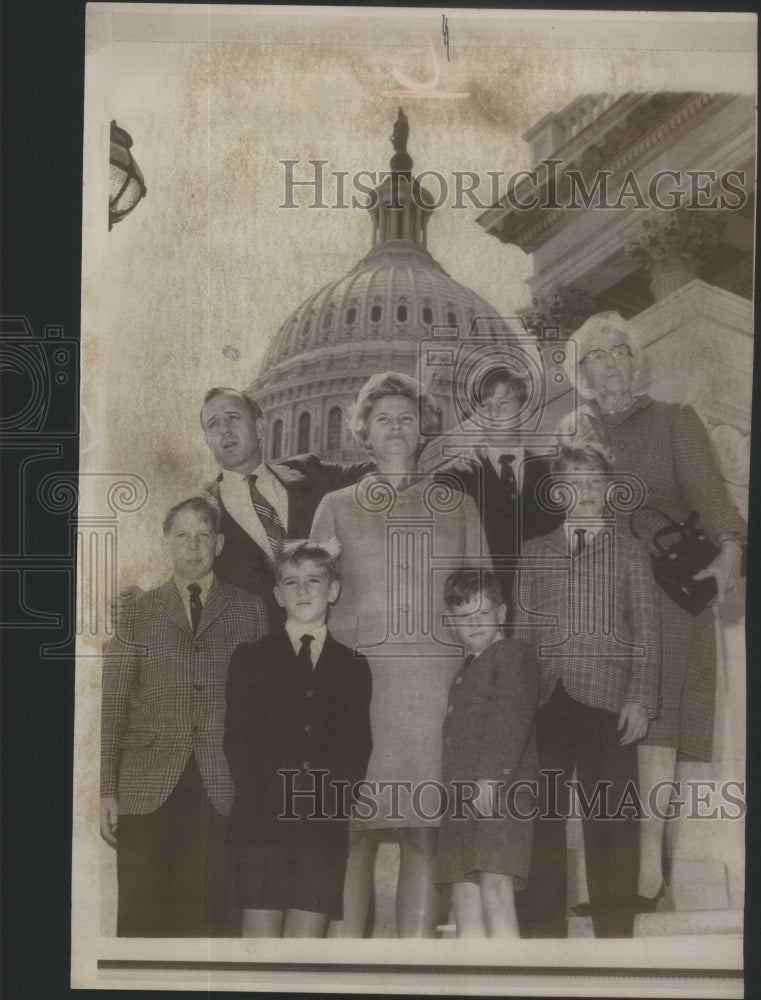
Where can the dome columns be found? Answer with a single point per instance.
(369, 320)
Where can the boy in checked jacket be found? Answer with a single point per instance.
(166, 790)
(587, 604)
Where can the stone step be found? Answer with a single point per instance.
(675, 924)
(682, 922)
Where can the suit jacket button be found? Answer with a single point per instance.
(308, 728)
(505, 770)
(310, 693)
(459, 680)
(306, 765)
(450, 708)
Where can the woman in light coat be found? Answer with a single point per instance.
(401, 535)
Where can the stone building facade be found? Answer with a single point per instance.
(680, 268)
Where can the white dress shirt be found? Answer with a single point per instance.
(236, 496)
(295, 632)
(182, 585)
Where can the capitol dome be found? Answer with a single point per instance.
(369, 320)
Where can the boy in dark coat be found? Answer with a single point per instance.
(297, 738)
(488, 735)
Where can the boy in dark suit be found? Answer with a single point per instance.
(166, 790)
(297, 737)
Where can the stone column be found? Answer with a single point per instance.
(560, 308)
(673, 247)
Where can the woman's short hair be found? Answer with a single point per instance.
(603, 322)
(205, 506)
(393, 384)
(464, 584)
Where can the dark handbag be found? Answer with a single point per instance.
(677, 552)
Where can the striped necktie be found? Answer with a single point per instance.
(268, 516)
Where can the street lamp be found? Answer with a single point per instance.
(125, 181)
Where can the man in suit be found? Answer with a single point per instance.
(262, 505)
(166, 790)
(503, 478)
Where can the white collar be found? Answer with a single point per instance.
(204, 583)
(591, 527)
(295, 631)
(261, 470)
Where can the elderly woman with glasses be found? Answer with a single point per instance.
(667, 446)
(401, 533)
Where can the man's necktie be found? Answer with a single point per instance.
(268, 516)
(469, 659)
(305, 654)
(507, 475)
(196, 607)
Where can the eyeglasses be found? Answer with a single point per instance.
(458, 619)
(618, 353)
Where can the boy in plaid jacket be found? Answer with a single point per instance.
(166, 790)
(587, 604)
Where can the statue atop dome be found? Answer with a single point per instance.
(401, 132)
(401, 161)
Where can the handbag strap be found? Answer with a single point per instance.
(668, 528)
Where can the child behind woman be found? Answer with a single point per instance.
(489, 743)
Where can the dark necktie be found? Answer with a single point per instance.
(469, 659)
(305, 654)
(268, 516)
(507, 475)
(194, 589)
